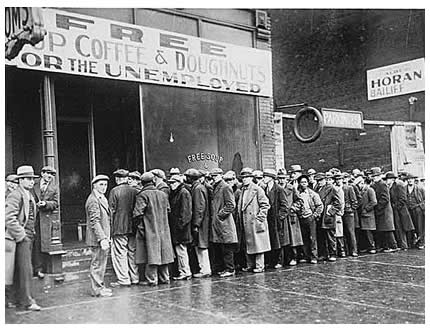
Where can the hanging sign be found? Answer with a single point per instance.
(342, 118)
(90, 46)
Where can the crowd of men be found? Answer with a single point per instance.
(196, 224)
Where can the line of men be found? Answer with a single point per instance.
(265, 219)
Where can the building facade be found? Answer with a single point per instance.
(138, 89)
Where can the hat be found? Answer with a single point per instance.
(192, 172)
(303, 176)
(174, 170)
(329, 175)
(337, 175)
(246, 172)
(334, 170)
(175, 178)
(390, 175)
(159, 173)
(12, 178)
(99, 177)
(49, 169)
(25, 171)
(410, 176)
(356, 172)
(135, 175)
(311, 171)
(257, 174)
(229, 175)
(120, 173)
(374, 171)
(269, 172)
(282, 173)
(358, 180)
(295, 168)
(147, 176)
(319, 176)
(216, 171)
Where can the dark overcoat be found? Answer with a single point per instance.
(331, 200)
(121, 203)
(200, 213)
(383, 211)
(223, 228)
(252, 210)
(293, 205)
(98, 220)
(180, 215)
(398, 198)
(277, 217)
(153, 241)
(366, 209)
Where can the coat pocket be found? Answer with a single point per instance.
(260, 226)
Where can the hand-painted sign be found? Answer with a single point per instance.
(342, 118)
(397, 79)
(90, 46)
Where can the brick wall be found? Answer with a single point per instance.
(321, 56)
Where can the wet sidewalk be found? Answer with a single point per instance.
(381, 288)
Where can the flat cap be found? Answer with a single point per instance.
(48, 168)
(229, 175)
(12, 178)
(319, 176)
(192, 172)
(374, 171)
(147, 177)
(410, 176)
(159, 173)
(329, 175)
(311, 171)
(99, 177)
(216, 171)
(390, 175)
(121, 173)
(135, 175)
(269, 172)
(257, 174)
(356, 172)
(175, 178)
(246, 172)
(174, 170)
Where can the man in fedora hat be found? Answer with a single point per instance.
(349, 220)
(415, 196)
(282, 177)
(296, 171)
(402, 219)
(20, 216)
(383, 213)
(98, 238)
(121, 203)
(46, 195)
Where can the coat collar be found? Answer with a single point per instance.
(252, 192)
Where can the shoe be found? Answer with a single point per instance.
(343, 255)
(247, 269)
(313, 261)
(397, 249)
(119, 285)
(302, 261)
(201, 275)
(420, 247)
(164, 282)
(10, 305)
(331, 259)
(293, 262)
(388, 250)
(40, 275)
(258, 270)
(226, 273)
(182, 278)
(277, 266)
(33, 307)
(355, 255)
(373, 251)
(146, 283)
(404, 249)
(134, 283)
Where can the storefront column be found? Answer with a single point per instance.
(50, 224)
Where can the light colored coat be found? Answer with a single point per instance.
(367, 205)
(252, 210)
(98, 220)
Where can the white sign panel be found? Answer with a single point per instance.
(342, 118)
(90, 46)
(397, 79)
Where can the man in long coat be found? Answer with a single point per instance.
(223, 233)
(253, 207)
(416, 204)
(348, 218)
(46, 196)
(98, 235)
(200, 220)
(276, 219)
(180, 224)
(121, 203)
(402, 219)
(383, 213)
(153, 240)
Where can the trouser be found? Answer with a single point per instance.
(418, 218)
(183, 260)
(274, 257)
(37, 257)
(133, 269)
(349, 232)
(387, 240)
(321, 241)
(308, 228)
(23, 272)
(223, 257)
(119, 255)
(255, 260)
(340, 246)
(368, 239)
(330, 242)
(153, 273)
(98, 269)
(203, 259)
(401, 237)
(290, 253)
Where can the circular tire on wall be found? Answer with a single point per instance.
(308, 125)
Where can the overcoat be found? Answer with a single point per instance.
(223, 228)
(398, 198)
(332, 206)
(98, 219)
(180, 215)
(383, 211)
(164, 187)
(277, 217)
(294, 204)
(366, 209)
(200, 213)
(252, 209)
(357, 192)
(121, 203)
(153, 240)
